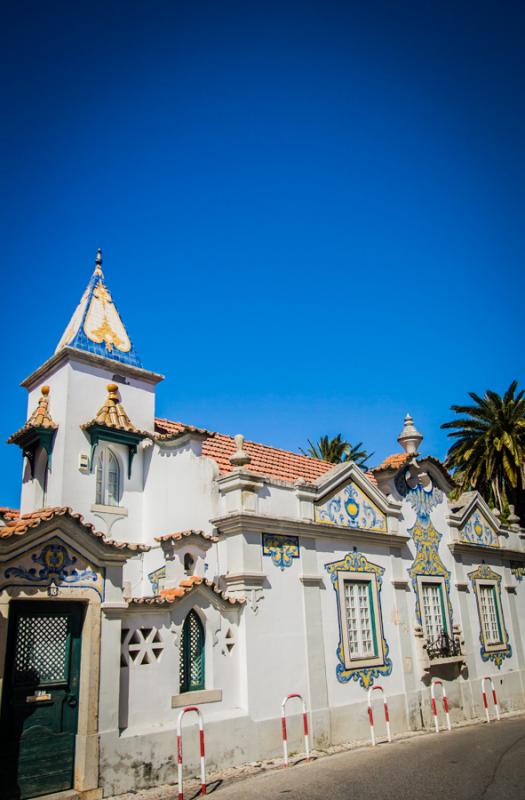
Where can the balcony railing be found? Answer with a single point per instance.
(444, 646)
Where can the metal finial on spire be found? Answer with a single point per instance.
(98, 262)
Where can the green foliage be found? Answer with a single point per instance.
(336, 450)
(489, 448)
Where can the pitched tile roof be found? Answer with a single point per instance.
(9, 513)
(265, 460)
(20, 525)
(113, 415)
(180, 535)
(169, 596)
(40, 418)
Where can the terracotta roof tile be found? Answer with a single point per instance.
(9, 513)
(168, 596)
(179, 535)
(40, 418)
(112, 414)
(167, 429)
(265, 460)
(371, 477)
(20, 525)
(394, 461)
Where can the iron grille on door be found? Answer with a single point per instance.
(42, 649)
(192, 654)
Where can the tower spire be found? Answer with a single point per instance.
(96, 325)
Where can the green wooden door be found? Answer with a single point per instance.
(40, 699)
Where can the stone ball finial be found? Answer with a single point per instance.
(240, 456)
(112, 391)
(410, 438)
(45, 390)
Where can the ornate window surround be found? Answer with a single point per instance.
(485, 576)
(370, 578)
(360, 670)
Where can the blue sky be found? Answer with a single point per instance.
(311, 212)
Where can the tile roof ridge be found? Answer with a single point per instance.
(8, 511)
(178, 535)
(219, 434)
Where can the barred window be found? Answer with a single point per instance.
(192, 654)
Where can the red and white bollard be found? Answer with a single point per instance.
(179, 750)
(434, 683)
(495, 699)
(371, 714)
(283, 726)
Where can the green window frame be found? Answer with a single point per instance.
(192, 663)
(360, 618)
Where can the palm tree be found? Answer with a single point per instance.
(336, 450)
(489, 448)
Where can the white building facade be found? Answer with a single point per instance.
(154, 565)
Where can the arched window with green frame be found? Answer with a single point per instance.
(192, 654)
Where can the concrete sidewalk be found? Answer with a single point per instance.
(458, 764)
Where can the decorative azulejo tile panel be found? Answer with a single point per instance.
(478, 531)
(351, 508)
(156, 577)
(281, 549)
(56, 563)
(518, 570)
(426, 539)
(357, 562)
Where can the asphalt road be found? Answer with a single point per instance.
(481, 762)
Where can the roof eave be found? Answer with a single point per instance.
(71, 353)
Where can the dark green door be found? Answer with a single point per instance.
(40, 699)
